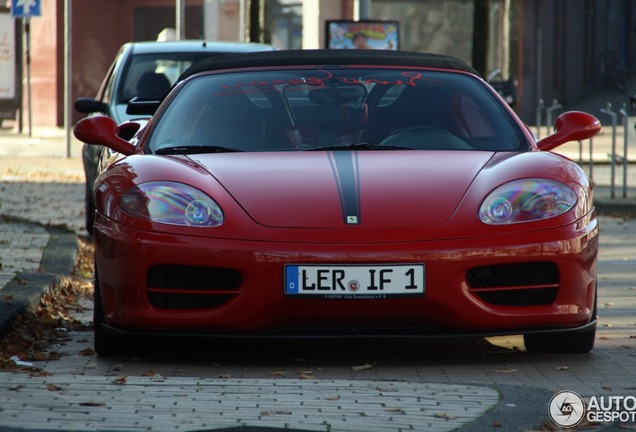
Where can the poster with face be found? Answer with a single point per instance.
(342, 34)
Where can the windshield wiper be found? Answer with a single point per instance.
(359, 146)
(198, 149)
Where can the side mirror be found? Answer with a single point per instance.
(89, 105)
(102, 130)
(571, 126)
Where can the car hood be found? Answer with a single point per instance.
(331, 189)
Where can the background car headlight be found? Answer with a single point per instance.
(171, 203)
(526, 200)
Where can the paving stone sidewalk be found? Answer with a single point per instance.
(88, 403)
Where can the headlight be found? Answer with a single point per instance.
(526, 200)
(171, 203)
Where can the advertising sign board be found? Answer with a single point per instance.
(367, 34)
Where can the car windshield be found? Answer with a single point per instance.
(150, 76)
(322, 108)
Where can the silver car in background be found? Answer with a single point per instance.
(147, 71)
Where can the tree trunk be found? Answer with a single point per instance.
(480, 35)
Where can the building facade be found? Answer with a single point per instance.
(553, 49)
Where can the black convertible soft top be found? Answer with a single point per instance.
(327, 57)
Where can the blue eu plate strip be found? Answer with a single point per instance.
(291, 279)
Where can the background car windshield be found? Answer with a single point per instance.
(150, 76)
(318, 108)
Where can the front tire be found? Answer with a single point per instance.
(579, 342)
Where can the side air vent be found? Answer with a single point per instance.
(191, 287)
(520, 284)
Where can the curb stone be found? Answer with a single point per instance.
(23, 292)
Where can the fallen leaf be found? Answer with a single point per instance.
(505, 371)
(92, 404)
(363, 367)
(53, 387)
(444, 416)
(87, 352)
(40, 356)
(395, 410)
(54, 355)
(306, 376)
(387, 389)
(277, 373)
(275, 412)
(332, 398)
(563, 368)
(119, 380)
(223, 376)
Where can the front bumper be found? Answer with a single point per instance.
(136, 299)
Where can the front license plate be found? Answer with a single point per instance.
(349, 281)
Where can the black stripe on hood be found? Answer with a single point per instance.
(344, 165)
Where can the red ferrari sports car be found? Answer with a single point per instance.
(342, 193)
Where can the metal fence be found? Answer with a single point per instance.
(609, 150)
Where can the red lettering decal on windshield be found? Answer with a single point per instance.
(261, 86)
